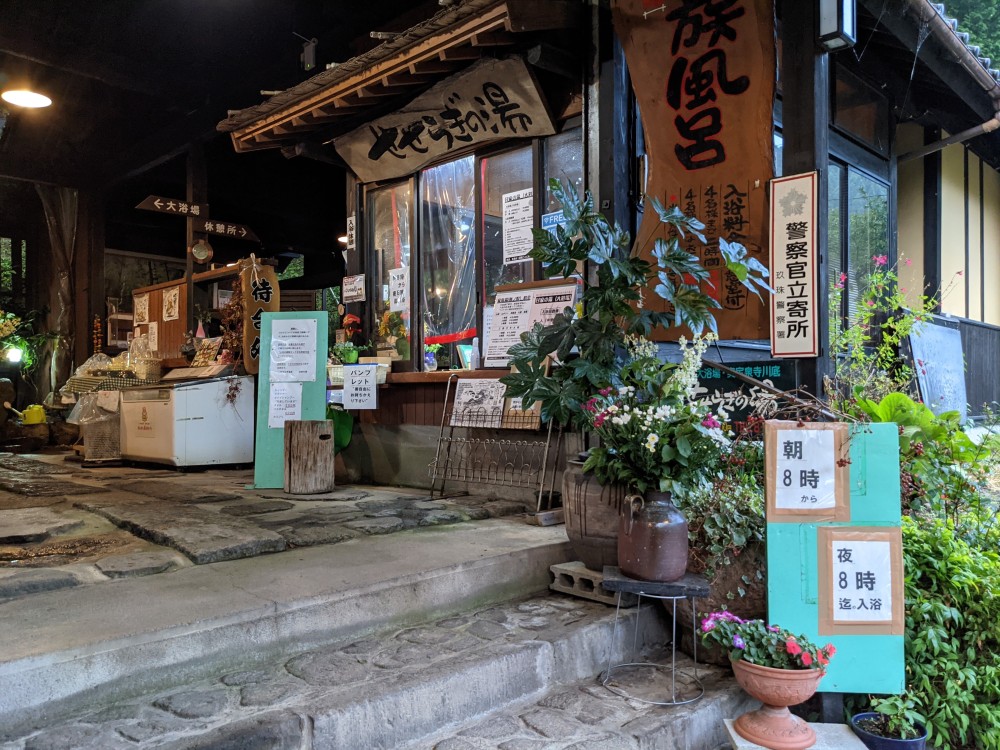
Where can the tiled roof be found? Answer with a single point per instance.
(986, 62)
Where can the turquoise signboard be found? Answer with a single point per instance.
(835, 572)
(291, 385)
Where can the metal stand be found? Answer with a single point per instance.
(688, 587)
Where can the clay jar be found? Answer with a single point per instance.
(652, 538)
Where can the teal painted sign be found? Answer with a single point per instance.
(291, 385)
(838, 578)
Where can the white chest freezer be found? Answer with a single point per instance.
(192, 423)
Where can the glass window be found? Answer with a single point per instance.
(858, 205)
(564, 162)
(860, 110)
(503, 173)
(389, 214)
(448, 255)
(779, 152)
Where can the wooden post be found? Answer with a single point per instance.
(309, 457)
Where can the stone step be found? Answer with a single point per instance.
(67, 651)
(515, 676)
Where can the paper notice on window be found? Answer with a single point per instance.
(518, 218)
(399, 290)
(511, 314)
(293, 351)
(284, 405)
(360, 387)
(353, 289)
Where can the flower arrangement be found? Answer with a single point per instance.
(764, 645)
(654, 435)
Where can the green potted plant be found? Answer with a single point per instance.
(347, 352)
(892, 724)
(590, 347)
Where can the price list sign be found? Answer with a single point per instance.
(860, 580)
(807, 471)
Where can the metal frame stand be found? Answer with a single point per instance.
(690, 587)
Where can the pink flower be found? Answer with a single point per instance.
(589, 406)
(710, 421)
(909, 261)
(959, 273)
(806, 658)
(605, 391)
(870, 302)
(880, 260)
(843, 277)
(599, 419)
(792, 647)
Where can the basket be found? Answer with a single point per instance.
(335, 374)
(101, 440)
(147, 368)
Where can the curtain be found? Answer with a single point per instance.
(61, 206)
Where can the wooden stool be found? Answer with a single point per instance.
(309, 457)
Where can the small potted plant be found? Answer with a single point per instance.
(892, 724)
(347, 352)
(430, 357)
(775, 666)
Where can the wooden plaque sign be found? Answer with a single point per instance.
(703, 75)
(260, 295)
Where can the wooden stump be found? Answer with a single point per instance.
(309, 457)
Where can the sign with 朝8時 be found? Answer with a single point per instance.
(834, 550)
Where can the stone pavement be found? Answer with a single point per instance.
(62, 524)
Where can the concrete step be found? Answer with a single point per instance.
(512, 676)
(68, 651)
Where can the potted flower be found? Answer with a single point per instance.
(892, 724)
(589, 347)
(430, 357)
(659, 443)
(775, 666)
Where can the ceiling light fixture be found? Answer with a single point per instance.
(25, 98)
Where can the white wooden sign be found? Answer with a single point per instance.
(351, 232)
(794, 309)
(353, 289)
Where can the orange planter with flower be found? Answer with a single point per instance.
(778, 668)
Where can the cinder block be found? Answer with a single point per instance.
(577, 579)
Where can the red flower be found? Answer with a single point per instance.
(806, 659)
(829, 649)
(792, 647)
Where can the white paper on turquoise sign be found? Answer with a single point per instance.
(284, 404)
(806, 470)
(862, 581)
(293, 351)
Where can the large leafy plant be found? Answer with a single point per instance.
(588, 346)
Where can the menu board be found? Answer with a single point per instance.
(517, 310)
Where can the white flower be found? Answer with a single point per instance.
(651, 440)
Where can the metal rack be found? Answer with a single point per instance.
(477, 454)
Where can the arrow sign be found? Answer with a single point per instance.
(225, 229)
(174, 206)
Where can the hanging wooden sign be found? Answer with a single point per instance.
(260, 295)
(703, 75)
(794, 310)
(489, 101)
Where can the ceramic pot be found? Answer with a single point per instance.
(591, 511)
(652, 538)
(877, 742)
(773, 725)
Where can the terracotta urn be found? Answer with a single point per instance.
(773, 725)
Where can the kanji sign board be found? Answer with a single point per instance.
(174, 206)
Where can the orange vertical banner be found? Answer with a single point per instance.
(703, 74)
(260, 295)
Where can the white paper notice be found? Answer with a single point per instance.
(518, 218)
(154, 337)
(353, 289)
(352, 223)
(510, 319)
(806, 470)
(293, 351)
(862, 581)
(478, 403)
(360, 387)
(285, 404)
(399, 290)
